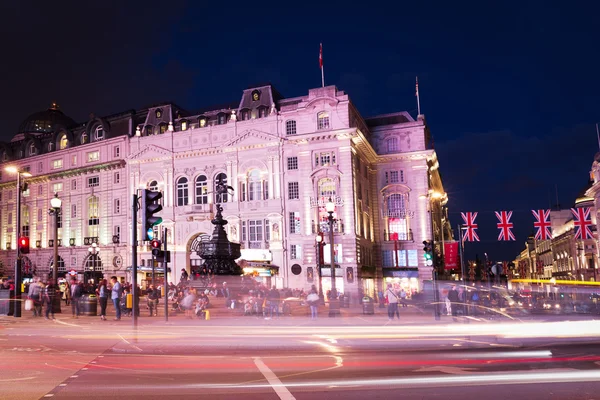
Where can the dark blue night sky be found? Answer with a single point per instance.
(510, 91)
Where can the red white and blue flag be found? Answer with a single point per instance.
(542, 224)
(505, 225)
(582, 223)
(470, 226)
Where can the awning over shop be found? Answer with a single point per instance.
(400, 272)
(260, 269)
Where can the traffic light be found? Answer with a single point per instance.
(428, 252)
(150, 206)
(158, 253)
(24, 245)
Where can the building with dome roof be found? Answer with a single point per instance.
(284, 157)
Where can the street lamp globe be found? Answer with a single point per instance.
(330, 206)
(55, 202)
(319, 238)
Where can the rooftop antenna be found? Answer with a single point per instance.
(557, 203)
(598, 134)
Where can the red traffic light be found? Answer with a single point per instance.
(155, 244)
(24, 244)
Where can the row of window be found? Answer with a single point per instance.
(63, 143)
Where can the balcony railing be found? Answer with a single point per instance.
(323, 226)
(402, 237)
(87, 241)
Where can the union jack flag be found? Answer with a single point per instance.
(542, 224)
(505, 225)
(470, 226)
(582, 223)
(539, 267)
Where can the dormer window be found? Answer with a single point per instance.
(32, 149)
(245, 115)
(255, 95)
(149, 130)
(50, 146)
(202, 122)
(262, 112)
(99, 133)
(63, 143)
(163, 128)
(222, 119)
(84, 138)
(323, 120)
(158, 113)
(184, 125)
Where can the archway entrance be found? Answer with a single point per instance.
(93, 270)
(195, 263)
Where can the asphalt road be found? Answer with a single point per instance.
(296, 358)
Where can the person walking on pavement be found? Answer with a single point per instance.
(102, 292)
(35, 295)
(49, 295)
(152, 298)
(115, 296)
(76, 294)
(392, 299)
(454, 301)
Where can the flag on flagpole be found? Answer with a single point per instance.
(321, 64)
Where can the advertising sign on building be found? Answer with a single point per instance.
(451, 257)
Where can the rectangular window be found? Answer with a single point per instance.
(293, 191)
(413, 259)
(40, 215)
(41, 166)
(74, 184)
(394, 177)
(40, 190)
(117, 178)
(73, 210)
(93, 156)
(324, 159)
(295, 252)
(267, 231)
(290, 127)
(93, 181)
(117, 152)
(292, 163)
(294, 222)
(57, 187)
(74, 160)
(402, 176)
(117, 206)
(57, 164)
(386, 178)
(9, 218)
(244, 231)
(255, 231)
(388, 258)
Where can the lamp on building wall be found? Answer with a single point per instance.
(55, 209)
(18, 271)
(334, 308)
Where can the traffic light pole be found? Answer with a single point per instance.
(134, 289)
(436, 294)
(18, 277)
(165, 285)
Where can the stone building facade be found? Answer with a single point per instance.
(284, 159)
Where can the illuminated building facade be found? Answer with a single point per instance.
(284, 158)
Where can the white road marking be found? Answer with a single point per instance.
(273, 380)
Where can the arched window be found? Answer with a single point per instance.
(162, 128)
(99, 133)
(262, 112)
(50, 146)
(153, 186)
(222, 179)
(245, 115)
(290, 127)
(392, 145)
(149, 130)
(63, 142)
(93, 217)
(93, 263)
(184, 125)
(84, 138)
(397, 221)
(323, 120)
(202, 189)
(32, 149)
(182, 191)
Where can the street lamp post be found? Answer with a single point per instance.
(94, 250)
(333, 304)
(18, 271)
(55, 204)
(320, 243)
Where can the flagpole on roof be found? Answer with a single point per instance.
(598, 134)
(321, 64)
(417, 94)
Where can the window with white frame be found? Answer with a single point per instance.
(93, 217)
(182, 191)
(255, 185)
(184, 125)
(323, 120)
(394, 177)
(117, 206)
(99, 133)
(93, 181)
(294, 221)
(57, 187)
(32, 149)
(74, 160)
(255, 231)
(84, 138)
(57, 164)
(292, 163)
(201, 189)
(93, 156)
(396, 217)
(325, 159)
(295, 252)
(290, 127)
(50, 146)
(293, 191)
(392, 145)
